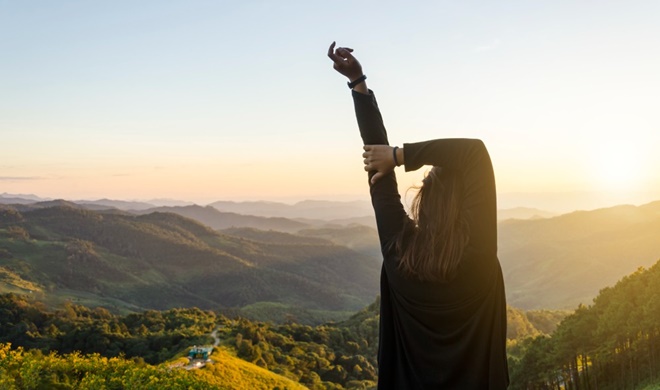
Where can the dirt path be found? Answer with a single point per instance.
(216, 339)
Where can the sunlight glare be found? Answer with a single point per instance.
(617, 165)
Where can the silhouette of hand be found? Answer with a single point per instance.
(344, 62)
(378, 158)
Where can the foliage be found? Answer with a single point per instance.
(612, 344)
(331, 356)
(20, 369)
(32, 370)
(151, 335)
(522, 324)
(280, 313)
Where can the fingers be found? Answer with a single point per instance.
(375, 160)
(342, 51)
(331, 49)
(333, 56)
(347, 54)
(342, 54)
(367, 151)
(367, 161)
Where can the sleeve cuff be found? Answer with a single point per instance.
(358, 95)
(407, 158)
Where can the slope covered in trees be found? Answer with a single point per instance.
(612, 344)
(330, 356)
(163, 260)
(152, 336)
(559, 262)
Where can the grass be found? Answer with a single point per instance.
(231, 372)
(12, 282)
(242, 375)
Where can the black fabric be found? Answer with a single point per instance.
(439, 335)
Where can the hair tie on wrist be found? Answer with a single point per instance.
(357, 81)
(396, 161)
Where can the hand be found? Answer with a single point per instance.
(344, 62)
(378, 158)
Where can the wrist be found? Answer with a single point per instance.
(355, 76)
(354, 83)
(399, 156)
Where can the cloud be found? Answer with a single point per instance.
(492, 46)
(20, 178)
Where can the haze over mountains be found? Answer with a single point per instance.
(563, 261)
(309, 211)
(552, 262)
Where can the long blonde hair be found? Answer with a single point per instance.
(432, 249)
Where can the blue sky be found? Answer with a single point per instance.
(203, 100)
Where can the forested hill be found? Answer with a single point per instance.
(612, 344)
(330, 356)
(218, 220)
(42, 349)
(163, 260)
(563, 261)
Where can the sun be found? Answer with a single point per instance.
(616, 165)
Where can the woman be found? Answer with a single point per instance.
(443, 309)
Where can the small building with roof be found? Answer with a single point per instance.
(200, 352)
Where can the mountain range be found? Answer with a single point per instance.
(311, 212)
(163, 260)
(218, 220)
(551, 262)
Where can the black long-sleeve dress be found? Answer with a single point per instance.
(439, 335)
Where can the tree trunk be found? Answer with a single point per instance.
(632, 370)
(585, 370)
(576, 372)
(651, 356)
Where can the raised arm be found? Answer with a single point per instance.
(385, 198)
(390, 215)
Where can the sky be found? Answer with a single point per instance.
(237, 100)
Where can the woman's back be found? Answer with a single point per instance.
(440, 334)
